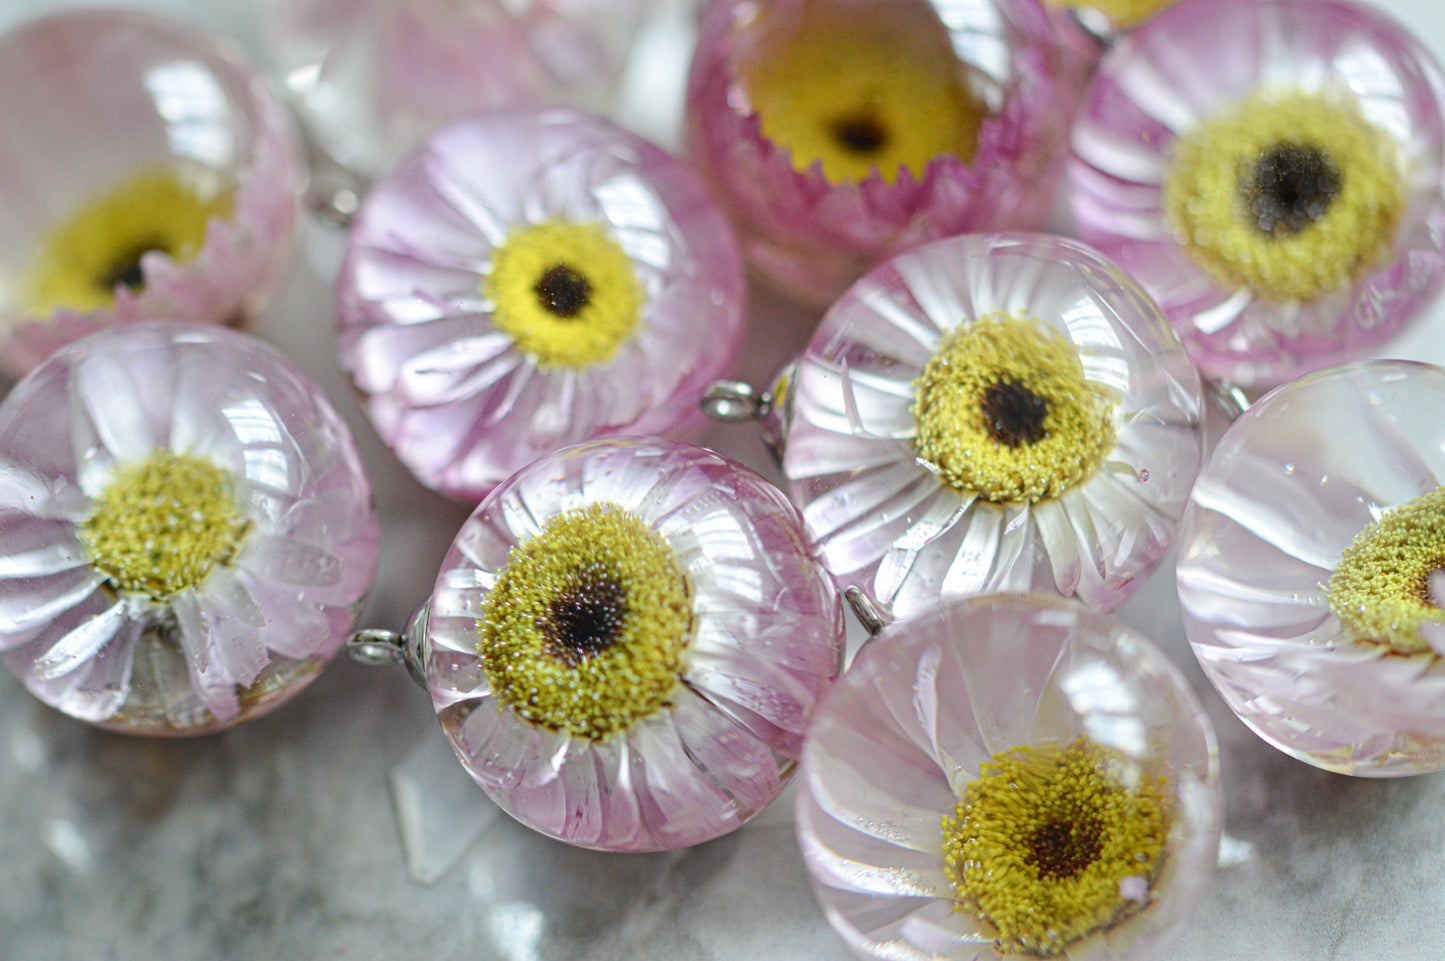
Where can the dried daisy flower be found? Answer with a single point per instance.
(532, 279)
(1009, 776)
(1278, 189)
(627, 641)
(986, 413)
(187, 530)
(1310, 565)
(150, 177)
(837, 133)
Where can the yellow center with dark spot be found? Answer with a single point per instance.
(1121, 13)
(1290, 195)
(587, 629)
(1003, 410)
(84, 258)
(1380, 592)
(1045, 841)
(162, 524)
(863, 90)
(567, 293)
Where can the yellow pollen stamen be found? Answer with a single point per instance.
(162, 524)
(1380, 591)
(97, 248)
(1290, 195)
(1047, 842)
(861, 94)
(567, 293)
(1003, 410)
(587, 628)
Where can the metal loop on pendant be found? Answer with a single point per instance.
(734, 402)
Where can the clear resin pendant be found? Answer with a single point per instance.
(529, 280)
(1310, 568)
(990, 413)
(1271, 173)
(837, 133)
(148, 176)
(186, 532)
(1011, 776)
(626, 643)
(372, 78)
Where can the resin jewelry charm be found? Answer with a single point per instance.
(1009, 777)
(1271, 174)
(148, 176)
(371, 78)
(1310, 568)
(990, 413)
(529, 280)
(186, 533)
(837, 133)
(626, 643)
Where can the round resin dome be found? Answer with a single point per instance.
(1309, 568)
(1009, 776)
(991, 413)
(528, 280)
(149, 176)
(626, 643)
(1279, 190)
(187, 530)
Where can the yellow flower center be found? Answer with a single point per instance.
(1290, 195)
(588, 625)
(1049, 844)
(863, 90)
(163, 523)
(567, 293)
(84, 258)
(1381, 589)
(1121, 13)
(1003, 410)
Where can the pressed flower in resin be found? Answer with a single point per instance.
(1006, 777)
(1309, 557)
(150, 177)
(839, 133)
(1381, 592)
(626, 643)
(587, 626)
(1003, 412)
(566, 292)
(533, 279)
(1290, 196)
(1278, 193)
(84, 259)
(1049, 845)
(187, 530)
(861, 98)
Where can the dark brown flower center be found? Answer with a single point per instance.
(563, 290)
(126, 270)
(1013, 414)
(585, 617)
(1063, 847)
(1292, 187)
(860, 133)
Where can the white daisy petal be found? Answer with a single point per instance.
(108, 398)
(212, 684)
(75, 648)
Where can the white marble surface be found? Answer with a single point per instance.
(280, 840)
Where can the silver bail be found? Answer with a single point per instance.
(376, 647)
